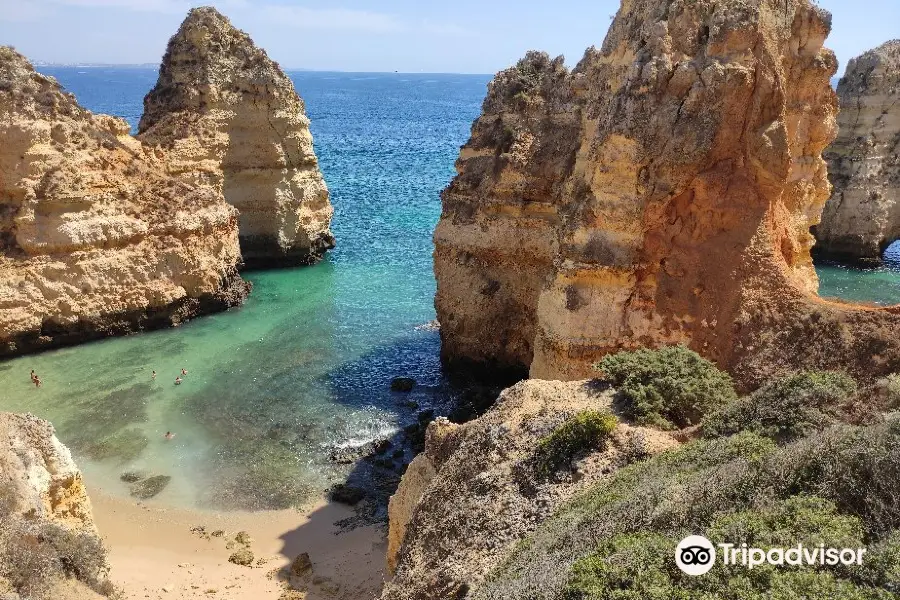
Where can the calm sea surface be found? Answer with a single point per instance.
(304, 367)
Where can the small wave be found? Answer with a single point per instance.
(363, 427)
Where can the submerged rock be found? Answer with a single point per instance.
(862, 217)
(132, 476)
(150, 487)
(402, 384)
(660, 193)
(96, 238)
(231, 119)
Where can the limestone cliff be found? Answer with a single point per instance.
(230, 118)
(862, 217)
(95, 238)
(662, 192)
(473, 494)
(38, 478)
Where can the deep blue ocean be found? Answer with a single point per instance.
(305, 366)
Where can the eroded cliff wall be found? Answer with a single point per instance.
(662, 192)
(474, 493)
(95, 238)
(229, 117)
(862, 217)
(38, 478)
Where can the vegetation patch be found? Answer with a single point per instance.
(640, 566)
(786, 408)
(35, 557)
(837, 484)
(671, 387)
(586, 431)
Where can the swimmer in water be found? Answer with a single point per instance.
(178, 380)
(169, 435)
(184, 371)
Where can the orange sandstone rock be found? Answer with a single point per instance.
(95, 238)
(662, 192)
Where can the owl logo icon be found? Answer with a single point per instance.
(695, 555)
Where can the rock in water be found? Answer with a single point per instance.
(95, 238)
(150, 487)
(402, 384)
(660, 193)
(862, 217)
(231, 119)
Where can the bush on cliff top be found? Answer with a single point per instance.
(671, 387)
(786, 408)
(587, 430)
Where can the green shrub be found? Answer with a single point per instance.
(672, 387)
(786, 408)
(639, 566)
(587, 430)
(858, 468)
(889, 389)
(726, 486)
(627, 567)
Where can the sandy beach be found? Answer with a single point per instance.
(158, 552)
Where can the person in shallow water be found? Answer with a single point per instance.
(169, 435)
(37, 381)
(153, 375)
(178, 380)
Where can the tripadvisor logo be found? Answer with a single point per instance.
(696, 555)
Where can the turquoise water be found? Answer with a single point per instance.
(877, 285)
(304, 367)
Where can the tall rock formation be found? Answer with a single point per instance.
(660, 193)
(230, 118)
(95, 238)
(862, 217)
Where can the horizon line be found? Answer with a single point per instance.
(37, 64)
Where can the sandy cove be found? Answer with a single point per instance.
(155, 554)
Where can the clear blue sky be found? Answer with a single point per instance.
(463, 36)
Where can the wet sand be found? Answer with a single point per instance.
(155, 554)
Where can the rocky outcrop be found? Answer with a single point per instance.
(230, 118)
(95, 238)
(862, 217)
(473, 494)
(662, 192)
(38, 478)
